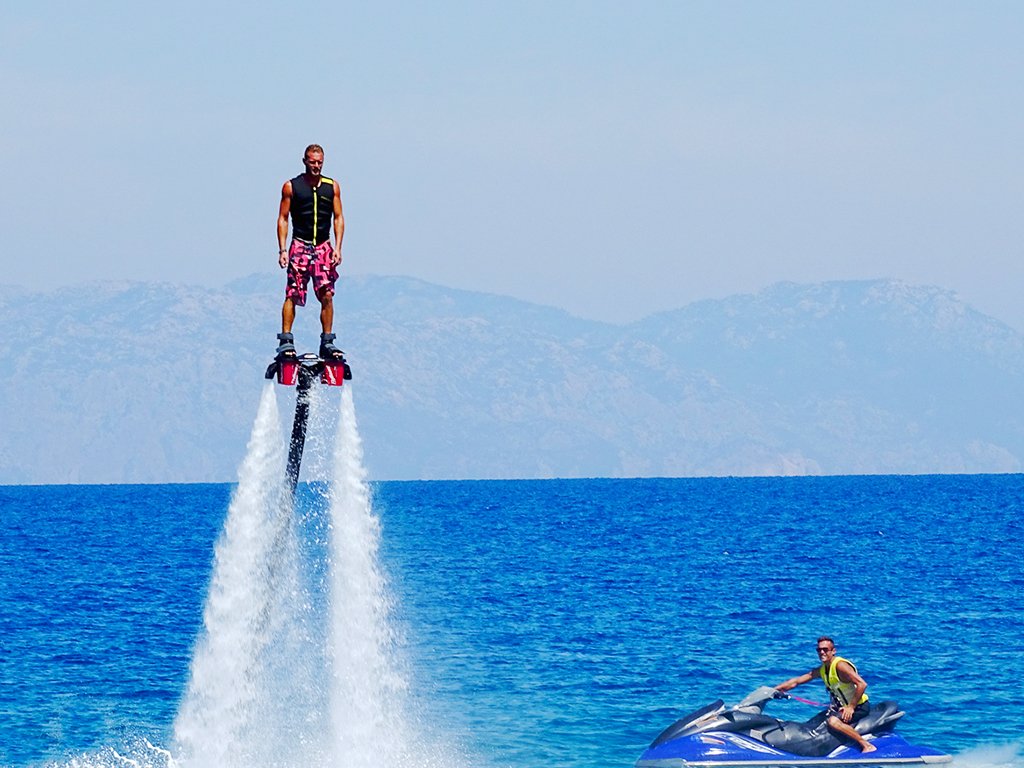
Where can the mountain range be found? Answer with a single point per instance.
(157, 382)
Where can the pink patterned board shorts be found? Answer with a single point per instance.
(306, 260)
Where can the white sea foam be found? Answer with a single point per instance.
(140, 753)
(992, 756)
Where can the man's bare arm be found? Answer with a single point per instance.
(339, 225)
(793, 682)
(282, 224)
(849, 675)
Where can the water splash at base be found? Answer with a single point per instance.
(247, 702)
(297, 665)
(368, 690)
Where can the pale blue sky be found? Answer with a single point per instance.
(613, 159)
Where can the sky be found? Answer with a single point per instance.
(613, 159)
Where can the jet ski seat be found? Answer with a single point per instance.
(880, 718)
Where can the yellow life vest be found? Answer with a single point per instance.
(840, 691)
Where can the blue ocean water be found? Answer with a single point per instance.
(548, 623)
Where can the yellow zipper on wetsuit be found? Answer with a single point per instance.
(316, 205)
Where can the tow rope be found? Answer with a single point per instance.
(806, 701)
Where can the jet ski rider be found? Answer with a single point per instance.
(846, 690)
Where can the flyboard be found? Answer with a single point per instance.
(301, 371)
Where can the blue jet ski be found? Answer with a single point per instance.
(744, 736)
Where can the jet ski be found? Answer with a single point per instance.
(744, 736)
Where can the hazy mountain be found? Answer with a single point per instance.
(145, 382)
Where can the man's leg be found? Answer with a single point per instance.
(326, 297)
(846, 729)
(287, 315)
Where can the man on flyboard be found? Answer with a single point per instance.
(313, 202)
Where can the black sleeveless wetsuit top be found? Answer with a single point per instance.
(312, 209)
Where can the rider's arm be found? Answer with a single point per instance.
(339, 224)
(282, 223)
(793, 682)
(849, 675)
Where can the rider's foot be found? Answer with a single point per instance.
(328, 351)
(868, 748)
(286, 349)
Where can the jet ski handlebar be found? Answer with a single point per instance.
(760, 696)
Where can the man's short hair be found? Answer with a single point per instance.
(313, 148)
(827, 639)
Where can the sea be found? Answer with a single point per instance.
(519, 623)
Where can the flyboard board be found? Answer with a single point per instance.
(300, 371)
(290, 369)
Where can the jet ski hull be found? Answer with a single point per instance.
(717, 736)
(722, 750)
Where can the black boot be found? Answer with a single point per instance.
(328, 351)
(287, 346)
